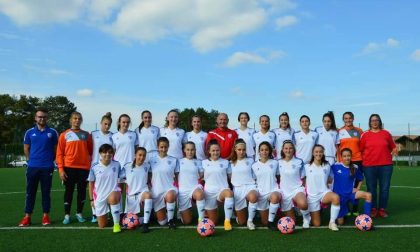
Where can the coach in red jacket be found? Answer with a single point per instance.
(224, 136)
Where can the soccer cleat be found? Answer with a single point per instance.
(171, 224)
(46, 220)
(355, 214)
(145, 228)
(333, 226)
(250, 225)
(382, 213)
(66, 220)
(80, 218)
(26, 221)
(305, 223)
(116, 228)
(373, 213)
(94, 220)
(227, 225)
(272, 226)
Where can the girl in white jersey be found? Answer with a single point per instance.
(328, 136)
(283, 132)
(124, 141)
(198, 137)
(164, 170)
(292, 171)
(136, 178)
(190, 173)
(266, 172)
(246, 133)
(174, 134)
(216, 189)
(317, 176)
(244, 187)
(104, 190)
(264, 134)
(147, 134)
(100, 137)
(304, 139)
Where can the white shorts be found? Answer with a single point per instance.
(287, 198)
(264, 200)
(132, 202)
(314, 202)
(212, 198)
(240, 193)
(102, 207)
(159, 199)
(185, 197)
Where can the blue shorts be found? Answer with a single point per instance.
(344, 199)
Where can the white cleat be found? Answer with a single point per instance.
(250, 225)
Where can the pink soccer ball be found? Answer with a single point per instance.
(205, 227)
(286, 225)
(130, 221)
(363, 222)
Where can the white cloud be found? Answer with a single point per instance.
(297, 94)
(392, 42)
(373, 47)
(85, 92)
(415, 55)
(286, 21)
(239, 58)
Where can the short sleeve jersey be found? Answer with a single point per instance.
(199, 139)
(281, 136)
(265, 175)
(189, 174)
(291, 174)
(329, 140)
(106, 178)
(242, 172)
(175, 137)
(124, 145)
(147, 137)
(41, 146)
(304, 144)
(216, 174)
(135, 178)
(246, 135)
(343, 180)
(163, 171)
(317, 178)
(99, 138)
(260, 137)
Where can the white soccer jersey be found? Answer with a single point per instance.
(316, 179)
(189, 174)
(329, 140)
(281, 136)
(135, 178)
(175, 137)
(215, 174)
(147, 137)
(99, 138)
(163, 171)
(260, 137)
(106, 179)
(246, 135)
(304, 144)
(199, 139)
(124, 145)
(242, 172)
(265, 174)
(291, 174)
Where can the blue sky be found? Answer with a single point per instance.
(260, 56)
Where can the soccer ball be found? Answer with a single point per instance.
(130, 221)
(286, 225)
(205, 227)
(363, 222)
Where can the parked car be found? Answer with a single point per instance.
(18, 163)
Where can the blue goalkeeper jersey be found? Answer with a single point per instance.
(343, 180)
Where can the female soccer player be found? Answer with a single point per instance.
(345, 175)
(266, 172)
(174, 134)
(164, 169)
(124, 141)
(217, 172)
(264, 134)
(103, 187)
(328, 136)
(317, 175)
(246, 133)
(198, 137)
(291, 173)
(190, 172)
(136, 177)
(73, 157)
(147, 134)
(283, 132)
(244, 187)
(304, 139)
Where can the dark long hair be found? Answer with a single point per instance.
(330, 115)
(119, 120)
(287, 142)
(233, 156)
(138, 148)
(323, 160)
(381, 126)
(211, 143)
(270, 148)
(352, 166)
(142, 123)
(286, 115)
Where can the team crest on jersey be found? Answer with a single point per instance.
(247, 163)
(202, 138)
(355, 134)
(249, 133)
(177, 134)
(221, 165)
(293, 166)
(82, 136)
(230, 135)
(325, 171)
(153, 131)
(270, 137)
(271, 166)
(114, 169)
(195, 163)
(169, 162)
(49, 135)
(130, 137)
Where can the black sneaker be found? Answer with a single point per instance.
(145, 228)
(272, 226)
(171, 224)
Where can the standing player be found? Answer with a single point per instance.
(147, 134)
(244, 187)
(224, 136)
(304, 139)
(264, 135)
(328, 136)
(246, 133)
(216, 175)
(317, 175)
(283, 132)
(124, 141)
(174, 134)
(190, 172)
(136, 178)
(198, 137)
(164, 170)
(266, 172)
(103, 180)
(39, 146)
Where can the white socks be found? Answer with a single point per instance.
(147, 210)
(228, 207)
(252, 209)
(334, 212)
(272, 211)
(200, 208)
(115, 211)
(170, 209)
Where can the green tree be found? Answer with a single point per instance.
(208, 119)
(59, 111)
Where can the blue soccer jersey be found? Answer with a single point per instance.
(343, 180)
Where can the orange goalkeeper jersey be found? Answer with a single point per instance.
(74, 149)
